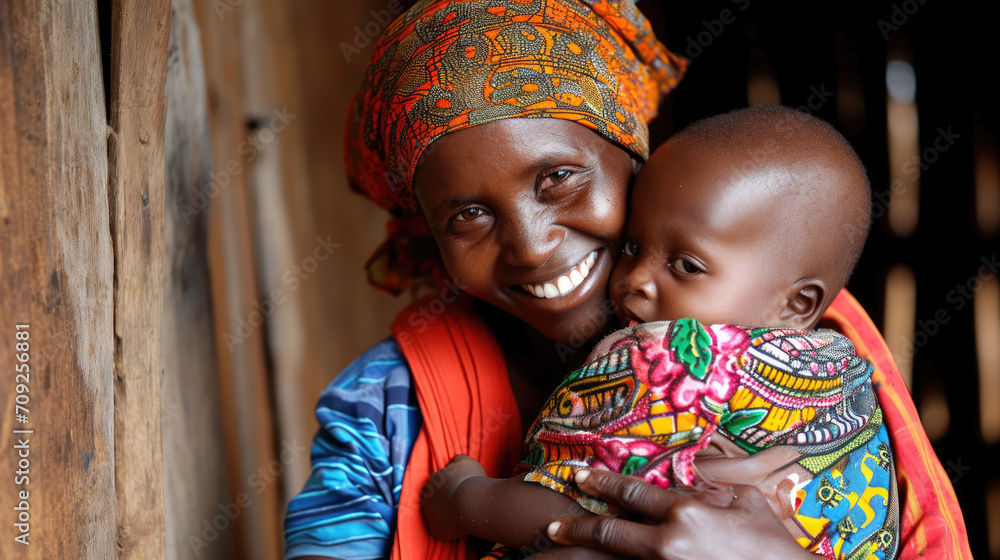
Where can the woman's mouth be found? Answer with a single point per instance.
(565, 283)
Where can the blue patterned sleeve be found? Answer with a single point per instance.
(369, 420)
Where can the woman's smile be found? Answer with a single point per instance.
(565, 283)
(598, 268)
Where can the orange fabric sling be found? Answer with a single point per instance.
(468, 407)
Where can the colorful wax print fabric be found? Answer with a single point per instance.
(654, 395)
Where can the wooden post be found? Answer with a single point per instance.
(194, 467)
(57, 276)
(292, 251)
(140, 33)
(248, 413)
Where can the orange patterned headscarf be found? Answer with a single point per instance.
(446, 65)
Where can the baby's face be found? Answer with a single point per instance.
(704, 241)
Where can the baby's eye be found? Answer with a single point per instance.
(685, 266)
(630, 249)
(469, 214)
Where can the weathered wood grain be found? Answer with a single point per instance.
(140, 33)
(195, 482)
(57, 274)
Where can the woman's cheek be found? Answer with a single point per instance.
(610, 203)
(469, 268)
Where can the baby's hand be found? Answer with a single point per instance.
(442, 506)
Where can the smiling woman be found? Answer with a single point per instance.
(549, 204)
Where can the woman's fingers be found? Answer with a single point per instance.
(678, 526)
(609, 534)
(630, 494)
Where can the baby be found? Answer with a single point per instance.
(755, 217)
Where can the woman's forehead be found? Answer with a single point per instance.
(511, 146)
(521, 134)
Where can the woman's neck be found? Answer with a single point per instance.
(535, 366)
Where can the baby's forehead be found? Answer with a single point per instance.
(795, 160)
(716, 186)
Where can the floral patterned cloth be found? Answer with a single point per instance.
(652, 396)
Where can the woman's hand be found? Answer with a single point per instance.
(677, 526)
(440, 502)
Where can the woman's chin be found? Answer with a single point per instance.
(577, 326)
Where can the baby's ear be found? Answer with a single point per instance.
(804, 303)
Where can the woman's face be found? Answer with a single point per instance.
(528, 214)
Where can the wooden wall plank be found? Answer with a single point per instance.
(56, 273)
(333, 49)
(194, 470)
(290, 249)
(248, 416)
(140, 33)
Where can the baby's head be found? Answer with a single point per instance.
(755, 217)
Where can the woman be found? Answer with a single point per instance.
(447, 135)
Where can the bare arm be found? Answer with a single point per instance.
(461, 500)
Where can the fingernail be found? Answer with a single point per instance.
(581, 476)
(554, 528)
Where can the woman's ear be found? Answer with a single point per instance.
(804, 304)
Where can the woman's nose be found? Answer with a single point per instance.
(530, 241)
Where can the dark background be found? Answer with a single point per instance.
(953, 47)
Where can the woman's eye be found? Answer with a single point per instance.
(559, 174)
(554, 178)
(630, 249)
(685, 266)
(469, 214)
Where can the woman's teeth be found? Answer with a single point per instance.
(565, 283)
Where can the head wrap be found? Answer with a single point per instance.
(446, 65)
